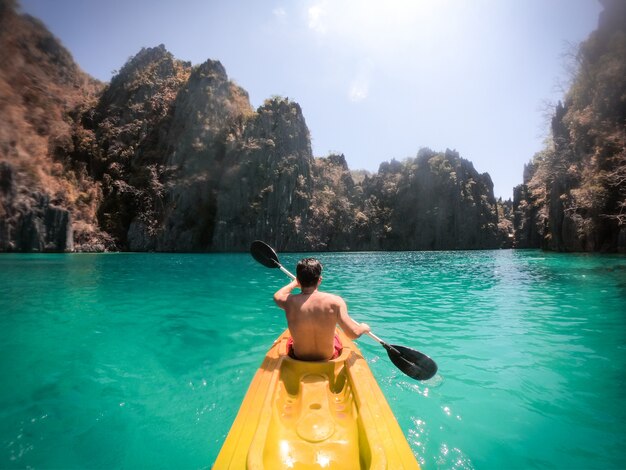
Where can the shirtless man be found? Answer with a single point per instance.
(313, 315)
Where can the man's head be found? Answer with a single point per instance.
(308, 272)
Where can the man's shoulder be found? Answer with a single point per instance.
(334, 298)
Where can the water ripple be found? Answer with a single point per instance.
(142, 360)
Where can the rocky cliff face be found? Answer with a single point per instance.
(171, 157)
(529, 217)
(45, 201)
(28, 220)
(574, 197)
(158, 136)
(333, 214)
(436, 201)
(119, 141)
(208, 111)
(266, 186)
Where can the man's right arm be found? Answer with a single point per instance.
(282, 294)
(351, 328)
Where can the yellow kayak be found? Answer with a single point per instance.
(309, 415)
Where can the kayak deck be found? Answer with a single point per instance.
(306, 415)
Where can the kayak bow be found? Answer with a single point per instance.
(304, 415)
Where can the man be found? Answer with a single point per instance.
(313, 315)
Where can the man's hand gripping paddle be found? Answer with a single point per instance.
(413, 363)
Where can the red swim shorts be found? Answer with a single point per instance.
(337, 345)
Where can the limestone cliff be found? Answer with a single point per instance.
(574, 197)
(208, 111)
(120, 137)
(172, 157)
(159, 131)
(266, 186)
(333, 213)
(45, 201)
(437, 201)
(529, 214)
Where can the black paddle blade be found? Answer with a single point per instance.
(264, 254)
(413, 363)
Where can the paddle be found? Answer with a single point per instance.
(413, 363)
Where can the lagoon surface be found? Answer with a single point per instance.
(142, 360)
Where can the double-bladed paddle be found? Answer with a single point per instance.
(413, 363)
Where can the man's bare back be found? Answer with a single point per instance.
(312, 317)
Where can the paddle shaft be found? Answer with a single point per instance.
(286, 272)
(369, 333)
(373, 336)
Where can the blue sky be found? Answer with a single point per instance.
(375, 79)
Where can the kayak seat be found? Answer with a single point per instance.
(314, 420)
(345, 352)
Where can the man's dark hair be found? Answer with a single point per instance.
(308, 272)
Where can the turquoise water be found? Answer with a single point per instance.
(142, 360)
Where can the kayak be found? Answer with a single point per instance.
(305, 415)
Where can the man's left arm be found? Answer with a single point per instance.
(351, 328)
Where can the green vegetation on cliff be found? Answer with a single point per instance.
(172, 157)
(42, 92)
(574, 192)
